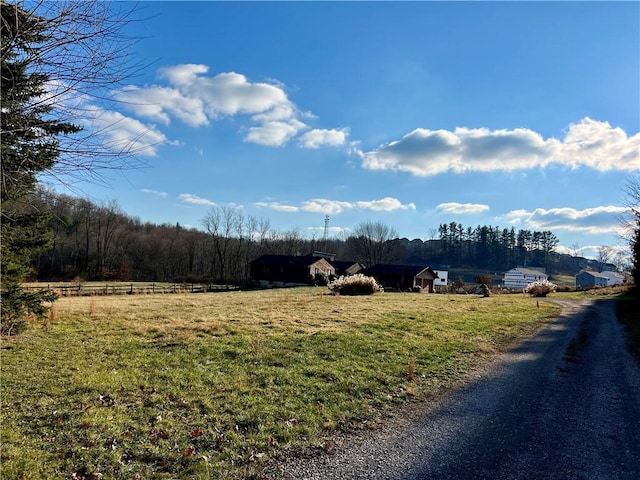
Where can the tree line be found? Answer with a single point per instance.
(100, 242)
(495, 248)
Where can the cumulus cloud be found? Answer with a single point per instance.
(462, 208)
(318, 137)
(424, 152)
(603, 219)
(226, 93)
(105, 130)
(160, 103)
(277, 206)
(196, 98)
(273, 134)
(122, 133)
(386, 204)
(196, 200)
(332, 207)
(183, 75)
(322, 205)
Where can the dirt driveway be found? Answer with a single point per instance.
(564, 404)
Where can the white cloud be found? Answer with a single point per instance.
(123, 134)
(318, 137)
(196, 98)
(105, 130)
(283, 112)
(332, 207)
(277, 206)
(592, 251)
(599, 146)
(426, 152)
(566, 250)
(386, 204)
(154, 192)
(596, 220)
(462, 208)
(273, 134)
(196, 200)
(322, 205)
(183, 75)
(226, 93)
(157, 103)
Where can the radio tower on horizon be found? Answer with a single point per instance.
(326, 231)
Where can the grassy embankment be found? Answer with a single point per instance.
(629, 314)
(215, 385)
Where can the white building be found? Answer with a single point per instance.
(613, 278)
(442, 280)
(519, 278)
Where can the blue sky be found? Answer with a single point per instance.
(410, 114)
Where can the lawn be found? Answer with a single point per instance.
(217, 385)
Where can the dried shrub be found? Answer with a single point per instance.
(358, 284)
(541, 288)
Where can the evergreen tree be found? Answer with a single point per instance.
(29, 146)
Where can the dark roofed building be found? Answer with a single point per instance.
(289, 270)
(346, 268)
(402, 277)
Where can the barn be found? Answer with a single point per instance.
(289, 270)
(402, 277)
(589, 279)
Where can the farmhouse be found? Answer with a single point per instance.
(589, 279)
(402, 277)
(289, 270)
(520, 277)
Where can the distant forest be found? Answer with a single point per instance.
(100, 242)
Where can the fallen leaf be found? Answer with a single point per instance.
(189, 451)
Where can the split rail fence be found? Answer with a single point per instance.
(77, 290)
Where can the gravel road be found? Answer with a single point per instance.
(565, 404)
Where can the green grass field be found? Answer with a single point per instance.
(217, 385)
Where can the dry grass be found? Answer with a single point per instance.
(306, 310)
(202, 385)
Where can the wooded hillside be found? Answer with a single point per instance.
(101, 242)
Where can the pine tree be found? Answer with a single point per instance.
(29, 146)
